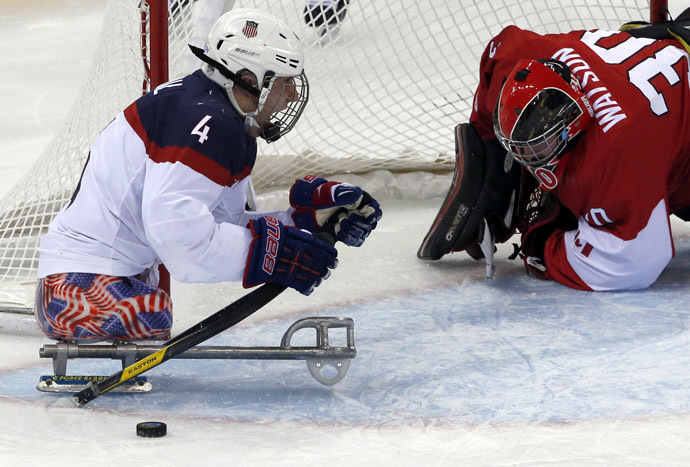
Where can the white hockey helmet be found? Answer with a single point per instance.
(251, 41)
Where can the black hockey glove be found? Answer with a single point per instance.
(678, 29)
(551, 216)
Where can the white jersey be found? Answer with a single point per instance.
(166, 181)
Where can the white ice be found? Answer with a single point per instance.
(451, 369)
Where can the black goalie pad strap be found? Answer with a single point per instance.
(485, 186)
(683, 214)
(673, 29)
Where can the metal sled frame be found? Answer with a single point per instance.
(318, 357)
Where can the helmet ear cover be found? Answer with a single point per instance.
(266, 86)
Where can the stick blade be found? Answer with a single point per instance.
(86, 395)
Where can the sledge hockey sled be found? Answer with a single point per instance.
(321, 359)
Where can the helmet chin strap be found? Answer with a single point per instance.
(270, 131)
(249, 117)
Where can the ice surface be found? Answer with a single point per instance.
(451, 369)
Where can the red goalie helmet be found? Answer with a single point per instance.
(541, 107)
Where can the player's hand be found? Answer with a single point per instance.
(288, 256)
(553, 217)
(315, 200)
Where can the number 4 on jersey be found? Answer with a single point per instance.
(201, 129)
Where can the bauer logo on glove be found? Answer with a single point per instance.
(287, 256)
(315, 200)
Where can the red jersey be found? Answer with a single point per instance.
(628, 170)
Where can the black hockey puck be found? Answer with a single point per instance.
(152, 429)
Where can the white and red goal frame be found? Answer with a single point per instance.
(387, 87)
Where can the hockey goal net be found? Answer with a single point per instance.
(389, 81)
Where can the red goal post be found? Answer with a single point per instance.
(658, 10)
(389, 80)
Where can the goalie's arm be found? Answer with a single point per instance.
(592, 258)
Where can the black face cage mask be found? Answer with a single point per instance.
(284, 120)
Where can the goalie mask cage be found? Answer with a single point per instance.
(389, 81)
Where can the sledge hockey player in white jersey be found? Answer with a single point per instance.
(166, 182)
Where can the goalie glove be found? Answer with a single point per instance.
(315, 200)
(288, 256)
(551, 217)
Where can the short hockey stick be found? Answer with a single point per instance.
(200, 332)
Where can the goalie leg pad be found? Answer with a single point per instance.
(485, 185)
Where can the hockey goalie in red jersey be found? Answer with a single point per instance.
(599, 123)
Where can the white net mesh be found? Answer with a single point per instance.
(389, 81)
